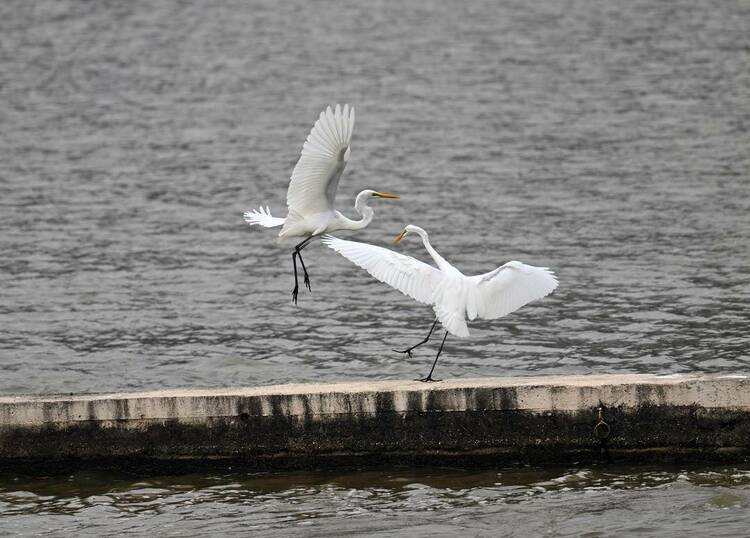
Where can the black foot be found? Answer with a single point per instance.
(408, 350)
(307, 282)
(295, 291)
(428, 379)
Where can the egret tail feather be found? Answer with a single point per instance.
(262, 216)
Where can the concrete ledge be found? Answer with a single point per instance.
(490, 421)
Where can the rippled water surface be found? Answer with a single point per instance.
(607, 140)
(505, 502)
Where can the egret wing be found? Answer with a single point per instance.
(408, 275)
(507, 288)
(324, 155)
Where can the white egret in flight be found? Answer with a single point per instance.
(452, 295)
(312, 189)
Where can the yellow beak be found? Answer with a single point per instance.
(386, 195)
(399, 237)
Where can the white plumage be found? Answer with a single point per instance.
(315, 178)
(408, 275)
(325, 153)
(262, 216)
(453, 295)
(313, 185)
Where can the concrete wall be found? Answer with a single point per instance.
(464, 421)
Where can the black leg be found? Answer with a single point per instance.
(306, 277)
(296, 282)
(429, 376)
(426, 338)
(299, 248)
(295, 254)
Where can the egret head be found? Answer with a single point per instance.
(406, 231)
(369, 193)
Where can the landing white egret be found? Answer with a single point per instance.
(452, 295)
(313, 185)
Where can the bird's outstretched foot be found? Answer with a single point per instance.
(307, 282)
(295, 292)
(428, 379)
(407, 351)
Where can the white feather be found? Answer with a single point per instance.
(404, 273)
(507, 288)
(316, 176)
(453, 295)
(262, 217)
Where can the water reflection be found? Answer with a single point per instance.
(396, 487)
(358, 500)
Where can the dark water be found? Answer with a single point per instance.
(440, 502)
(607, 140)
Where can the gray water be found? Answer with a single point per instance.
(607, 140)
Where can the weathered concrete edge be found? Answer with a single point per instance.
(466, 422)
(316, 402)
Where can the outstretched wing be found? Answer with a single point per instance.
(408, 275)
(324, 155)
(507, 288)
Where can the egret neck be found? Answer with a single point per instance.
(364, 210)
(442, 264)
